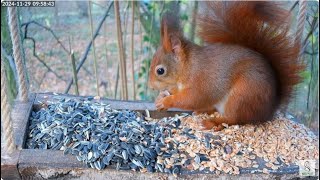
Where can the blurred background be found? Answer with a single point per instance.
(54, 37)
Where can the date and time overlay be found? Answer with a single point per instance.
(27, 3)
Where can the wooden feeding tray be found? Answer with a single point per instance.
(43, 164)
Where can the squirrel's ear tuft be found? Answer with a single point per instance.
(165, 40)
(170, 32)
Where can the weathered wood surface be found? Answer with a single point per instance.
(20, 115)
(44, 164)
(9, 169)
(140, 106)
(40, 164)
(112, 174)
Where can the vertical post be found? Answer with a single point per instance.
(5, 112)
(17, 53)
(109, 79)
(132, 51)
(123, 72)
(193, 23)
(94, 50)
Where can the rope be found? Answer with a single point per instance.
(5, 113)
(17, 53)
(301, 21)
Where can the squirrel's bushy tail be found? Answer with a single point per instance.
(260, 26)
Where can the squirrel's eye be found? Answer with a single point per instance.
(160, 71)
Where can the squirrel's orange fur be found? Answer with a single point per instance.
(247, 69)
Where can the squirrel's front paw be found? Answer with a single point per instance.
(163, 94)
(163, 103)
(160, 105)
(161, 100)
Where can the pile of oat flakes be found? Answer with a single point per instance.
(264, 148)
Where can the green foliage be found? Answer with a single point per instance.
(5, 34)
(150, 21)
(7, 46)
(143, 78)
(306, 74)
(11, 82)
(184, 17)
(146, 38)
(305, 104)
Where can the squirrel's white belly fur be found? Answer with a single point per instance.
(221, 104)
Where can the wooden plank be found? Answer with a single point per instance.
(48, 158)
(10, 172)
(20, 116)
(116, 104)
(140, 106)
(9, 162)
(112, 174)
(56, 159)
(45, 164)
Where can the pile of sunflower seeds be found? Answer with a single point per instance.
(101, 136)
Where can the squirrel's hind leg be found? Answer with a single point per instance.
(198, 112)
(215, 123)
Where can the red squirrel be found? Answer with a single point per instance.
(246, 70)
